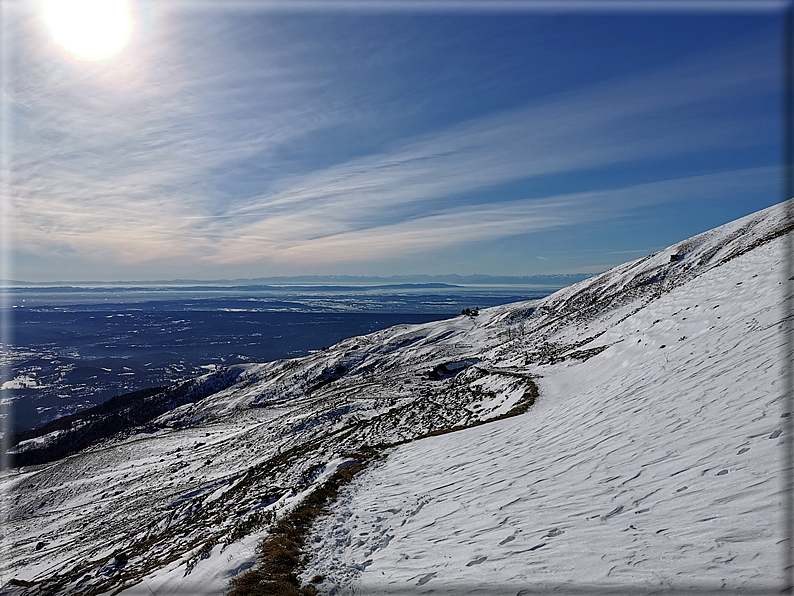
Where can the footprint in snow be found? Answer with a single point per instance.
(612, 513)
(476, 561)
(426, 579)
(363, 566)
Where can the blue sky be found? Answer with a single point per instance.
(242, 140)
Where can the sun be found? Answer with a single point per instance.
(89, 29)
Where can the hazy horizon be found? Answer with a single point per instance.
(419, 279)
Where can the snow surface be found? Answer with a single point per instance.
(651, 457)
(654, 463)
(20, 382)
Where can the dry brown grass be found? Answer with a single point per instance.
(281, 554)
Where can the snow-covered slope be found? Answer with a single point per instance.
(654, 463)
(650, 456)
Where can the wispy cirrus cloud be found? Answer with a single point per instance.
(479, 223)
(404, 200)
(140, 178)
(117, 160)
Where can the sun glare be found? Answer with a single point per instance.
(89, 29)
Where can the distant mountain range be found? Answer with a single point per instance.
(559, 279)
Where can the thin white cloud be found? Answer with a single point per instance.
(595, 127)
(130, 178)
(483, 223)
(373, 206)
(109, 159)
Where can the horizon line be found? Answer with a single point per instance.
(396, 277)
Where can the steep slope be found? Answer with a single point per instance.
(653, 465)
(183, 501)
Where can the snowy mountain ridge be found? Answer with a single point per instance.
(184, 500)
